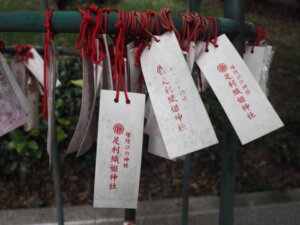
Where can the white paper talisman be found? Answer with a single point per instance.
(29, 86)
(126, 77)
(254, 60)
(134, 71)
(156, 144)
(148, 106)
(183, 121)
(119, 150)
(90, 133)
(269, 52)
(52, 71)
(200, 79)
(190, 59)
(14, 106)
(32, 94)
(107, 70)
(86, 110)
(18, 69)
(246, 106)
(98, 69)
(36, 67)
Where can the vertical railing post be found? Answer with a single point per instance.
(129, 216)
(193, 7)
(56, 180)
(235, 10)
(185, 189)
(55, 158)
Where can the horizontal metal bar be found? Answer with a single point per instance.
(40, 49)
(69, 22)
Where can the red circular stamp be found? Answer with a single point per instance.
(118, 128)
(222, 67)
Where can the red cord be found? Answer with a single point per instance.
(260, 36)
(167, 22)
(23, 53)
(47, 41)
(97, 54)
(118, 74)
(85, 32)
(212, 24)
(155, 25)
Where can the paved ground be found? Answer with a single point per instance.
(265, 208)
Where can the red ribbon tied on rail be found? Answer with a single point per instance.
(260, 36)
(47, 40)
(23, 52)
(212, 25)
(118, 73)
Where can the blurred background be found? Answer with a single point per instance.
(269, 163)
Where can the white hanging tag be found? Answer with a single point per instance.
(157, 147)
(183, 121)
(134, 71)
(90, 133)
(32, 94)
(52, 71)
(147, 108)
(14, 106)
(258, 63)
(119, 150)
(201, 80)
(18, 69)
(29, 86)
(36, 67)
(86, 110)
(156, 144)
(126, 77)
(107, 70)
(203, 84)
(269, 52)
(254, 60)
(246, 106)
(191, 55)
(98, 69)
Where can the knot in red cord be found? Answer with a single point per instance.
(167, 22)
(93, 8)
(22, 53)
(88, 19)
(47, 25)
(261, 35)
(119, 25)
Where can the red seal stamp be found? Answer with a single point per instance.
(118, 128)
(222, 67)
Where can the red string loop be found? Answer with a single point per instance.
(118, 73)
(97, 54)
(23, 53)
(212, 25)
(105, 18)
(261, 35)
(141, 45)
(155, 25)
(167, 22)
(85, 35)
